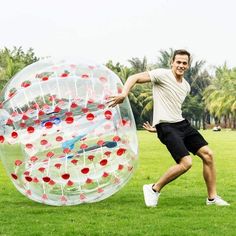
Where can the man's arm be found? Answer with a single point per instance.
(130, 82)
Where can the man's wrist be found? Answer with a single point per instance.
(124, 94)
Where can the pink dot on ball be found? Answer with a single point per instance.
(2, 139)
(66, 176)
(69, 113)
(83, 146)
(73, 105)
(48, 124)
(26, 173)
(120, 167)
(18, 162)
(59, 138)
(43, 142)
(14, 176)
(120, 151)
(28, 178)
(90, 116)
(90, 101)
(85, 170)
(50, 154)
(103, 79)
(91, 157)
(41, 113)
(29, 145)
(85, 76)
(103, 162)
(25, 117)
(63, 75)
(105, 174)
(74, 161)
(14, 134)
(89, 181)
(30, 129)
(45, 78)
(70, 183)
(116, 138)
(41, 169)
(33, 158)
(69, 120)
(35, 180)
(100, 142)
(46, 179)
(57, 109)
(108, 114)
(66, 150)
(101, 106)
(107, 153)
(85, 109)
(58, 165)
(22, 125)
(51, 182)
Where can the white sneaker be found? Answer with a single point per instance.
(150, 197)
(217, 201)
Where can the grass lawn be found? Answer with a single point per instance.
(181, 210)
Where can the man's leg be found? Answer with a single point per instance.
(209, 173)
(174, 172)
(152, 192)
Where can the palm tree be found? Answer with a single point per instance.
(138, 65)
(220, 96)
(145, 98)
(165, 58)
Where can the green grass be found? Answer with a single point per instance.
(181, 211)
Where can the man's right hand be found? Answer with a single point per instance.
(148, 127)
(115, 100)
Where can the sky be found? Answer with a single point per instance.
(102, 30)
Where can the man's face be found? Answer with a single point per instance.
(180, 64)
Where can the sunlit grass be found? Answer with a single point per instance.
(182, 209)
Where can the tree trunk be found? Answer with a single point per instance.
(234, 123)
(204, 120)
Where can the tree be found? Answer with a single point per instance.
(12, 61)
(165, 58)
(198, 81)
(124, 72)
(220, 96)
(138, 65)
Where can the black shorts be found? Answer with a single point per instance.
(180, 138)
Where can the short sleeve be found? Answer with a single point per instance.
(156, 75)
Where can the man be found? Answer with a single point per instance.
(169, 91)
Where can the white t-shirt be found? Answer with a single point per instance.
(168, 96)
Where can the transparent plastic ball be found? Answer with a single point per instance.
(60, 142)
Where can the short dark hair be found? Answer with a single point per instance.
(181, 52)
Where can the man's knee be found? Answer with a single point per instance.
(207, 156)
(186, 163)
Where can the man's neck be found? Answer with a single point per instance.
(179, 78)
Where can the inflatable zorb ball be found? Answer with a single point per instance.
(60, 143)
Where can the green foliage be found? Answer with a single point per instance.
(220, 96)
(12, 61)
(165, 59)
(193, 109)
(138, 65)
